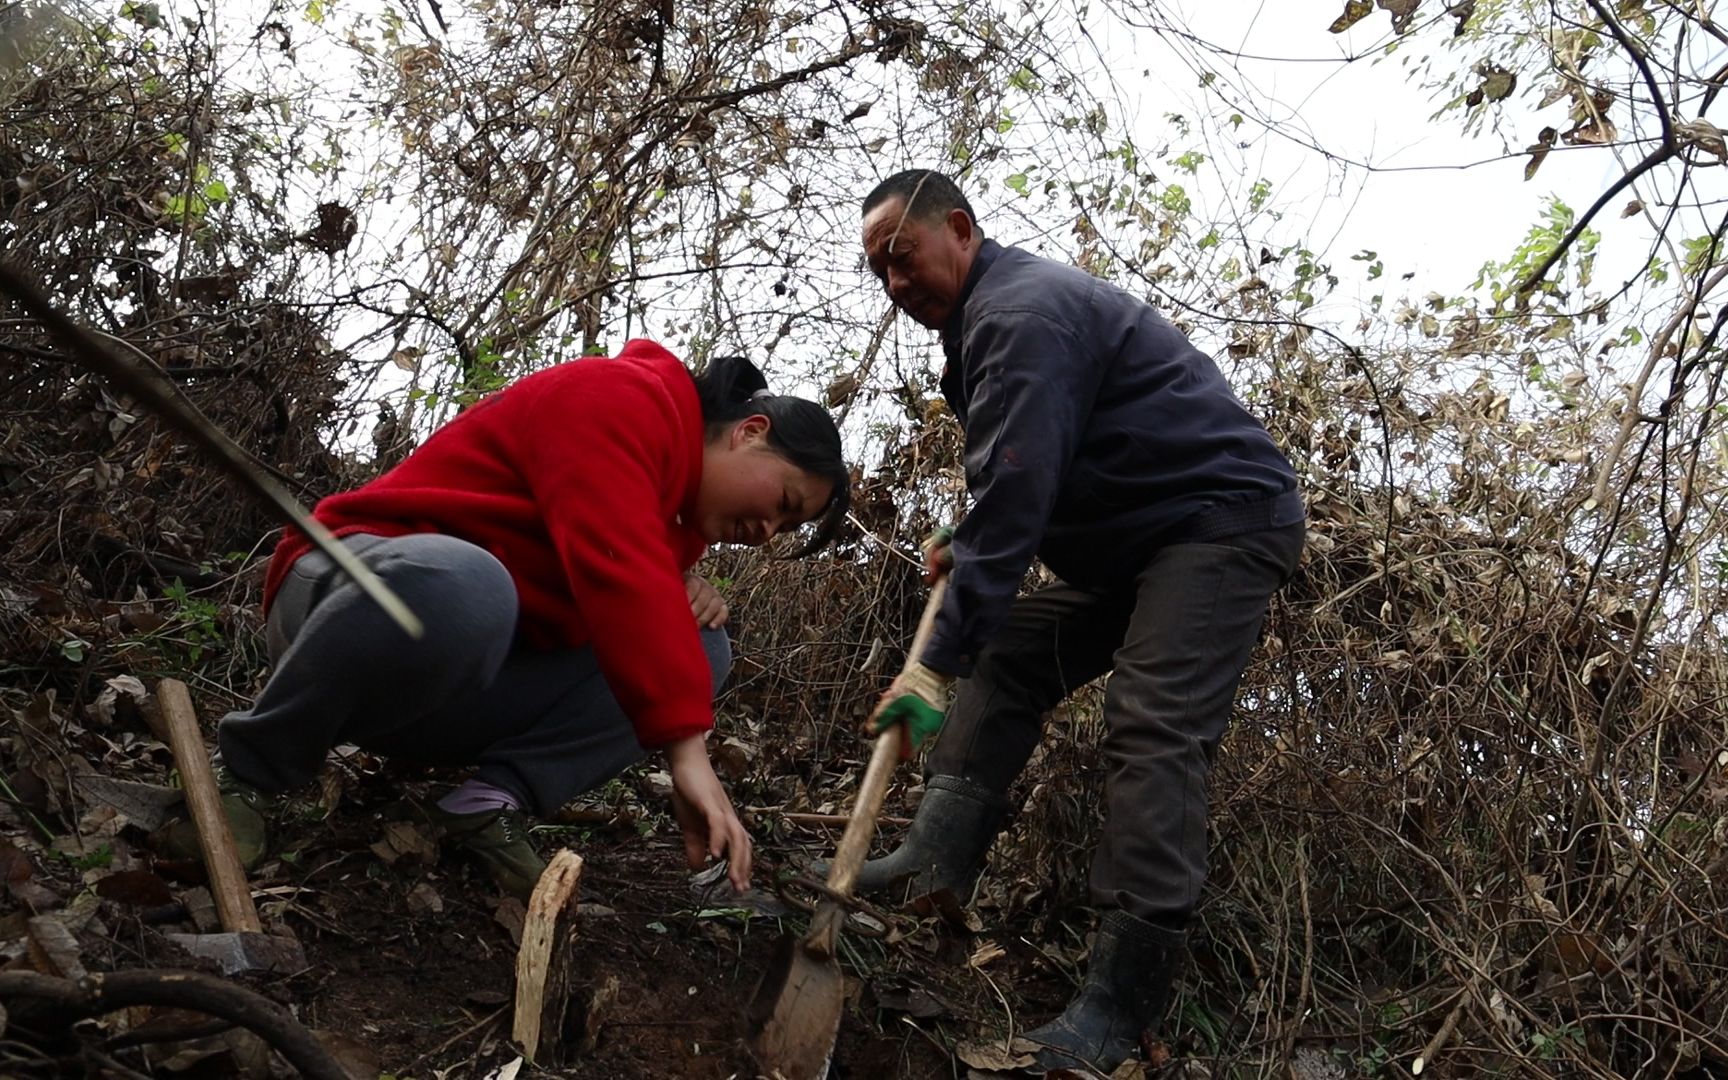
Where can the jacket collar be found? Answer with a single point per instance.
(954, 330)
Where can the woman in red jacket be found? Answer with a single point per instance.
(545, 537)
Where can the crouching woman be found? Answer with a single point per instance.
(545, 538)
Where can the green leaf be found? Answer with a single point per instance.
(1025, 80)
(149, 16)
(216, 191)
(1702, 253)
(1020, 183)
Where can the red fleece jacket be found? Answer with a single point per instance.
(575, 479)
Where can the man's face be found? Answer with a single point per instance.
(922, 264)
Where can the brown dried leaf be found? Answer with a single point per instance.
(991, 1057)
(1498, 83)
(135, 888)
(53, 949)
(1403, 11)
(1594, 132)
(841, 390)
(406, 840)
(148, 806)
(730, 759)
(121, 698)
(1538, 151)
(985, 953)
(356, 1059)
(1354, 12)
(30, 790)
(35, 897)
(15, 866)
(38, 716)
(334, 230)
(914, 1001)
(423, 899)
(511, 915)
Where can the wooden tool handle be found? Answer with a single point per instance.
(221, 858)
(856, 840)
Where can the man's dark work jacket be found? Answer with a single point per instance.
(1095, 434)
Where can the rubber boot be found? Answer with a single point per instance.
(945, 848)
(498, 840)
(1122, 999)
(246, 808)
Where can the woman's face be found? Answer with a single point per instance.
(749, 493)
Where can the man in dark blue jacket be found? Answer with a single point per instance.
(1100, 440)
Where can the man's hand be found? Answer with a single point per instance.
(710, 825)
(918, 699)
(706, 603)
(938, 553)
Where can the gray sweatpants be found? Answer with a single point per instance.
(541, 725)
(1175, 641)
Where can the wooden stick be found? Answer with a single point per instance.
(221, 858)
(543, 962)
(834, 820)
(855, 842)
(824, 937)
(154, 390)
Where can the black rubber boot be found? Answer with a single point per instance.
(1126, 990)
(945, 848)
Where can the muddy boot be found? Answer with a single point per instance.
(945, 848)
(246, 808)
(1126, 990)
(498, 841)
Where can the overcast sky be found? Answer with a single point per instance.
(1419, 210)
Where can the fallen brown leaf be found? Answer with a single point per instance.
(991, 1057)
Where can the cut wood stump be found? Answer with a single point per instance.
(543, 962)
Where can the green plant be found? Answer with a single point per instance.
(1561, 1042)
(99, 859)
(192, 623)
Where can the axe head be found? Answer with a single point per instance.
(244, 951)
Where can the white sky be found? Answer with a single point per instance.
(1431, 217)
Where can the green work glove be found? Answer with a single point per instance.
(938, 550)
(919, 700)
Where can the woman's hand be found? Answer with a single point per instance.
(711, 827)
(706, 603)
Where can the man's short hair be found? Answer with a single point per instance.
(929, 195)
